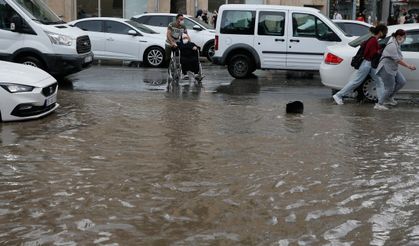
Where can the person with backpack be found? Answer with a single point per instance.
(371, 50)
(388, 72)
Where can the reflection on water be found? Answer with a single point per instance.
(239, 87)
(141, 168)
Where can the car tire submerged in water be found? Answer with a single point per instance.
(32, 61)
(154, 57)
(367, 91)
(240, 66)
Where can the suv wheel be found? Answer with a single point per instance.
(210, 51)
(240, 66)
(154, 57)
(31, 61)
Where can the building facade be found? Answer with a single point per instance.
(373, 10)
(76, 9)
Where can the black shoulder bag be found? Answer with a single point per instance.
(359, 56)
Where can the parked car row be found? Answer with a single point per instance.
(247, 37)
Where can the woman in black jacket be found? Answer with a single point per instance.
(189, 57)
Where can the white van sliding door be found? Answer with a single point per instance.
(270, 41)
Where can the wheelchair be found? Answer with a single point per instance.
(175, 69)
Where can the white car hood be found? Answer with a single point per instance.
(23, 74)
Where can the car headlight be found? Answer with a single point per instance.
(59, 39)
(15, 88)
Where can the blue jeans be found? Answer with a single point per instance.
(391, 84)
(360, 76)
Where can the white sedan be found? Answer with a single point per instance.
(336, 70)
(122, 39)
(200, 32)
(26, 92)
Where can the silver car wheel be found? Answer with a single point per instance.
(155, 57)
(368, 90)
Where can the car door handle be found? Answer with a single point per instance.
(110, 39)
(294, 40)
(279, 40)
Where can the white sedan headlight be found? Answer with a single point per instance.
(59, 39)
(15, 88)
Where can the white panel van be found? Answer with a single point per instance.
(250, 37)
(30, 33)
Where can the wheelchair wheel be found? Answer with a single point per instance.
(174, 73)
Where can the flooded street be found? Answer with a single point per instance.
(124, 162)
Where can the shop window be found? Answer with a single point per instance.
(87, 8)
(215, 4)
(135, 7)
(111, 8)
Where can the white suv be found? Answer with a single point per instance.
(122, 39)
(250, 37)
(201, 34)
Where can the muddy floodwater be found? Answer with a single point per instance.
(125, 162)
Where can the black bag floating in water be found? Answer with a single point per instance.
(295, 107)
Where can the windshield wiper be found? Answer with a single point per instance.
(54, 22)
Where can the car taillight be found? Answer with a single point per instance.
(216, 42)
(332, 59)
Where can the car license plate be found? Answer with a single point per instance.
(51, 100)
(88, 59)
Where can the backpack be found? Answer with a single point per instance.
(359, 56)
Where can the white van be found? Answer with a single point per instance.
(250, 37)
(30, 33)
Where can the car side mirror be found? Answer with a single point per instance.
(132, 33)
(197, 28)
(16, 24)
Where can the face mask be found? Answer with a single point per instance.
(185, 41)
(401, 40)
(181, 22)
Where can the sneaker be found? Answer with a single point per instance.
(391, 102)
(185, 77)
(198, 77)
(338, 99)
(380, 107)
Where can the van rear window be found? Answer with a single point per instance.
(238, 22)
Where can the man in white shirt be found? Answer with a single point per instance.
(337, 16)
